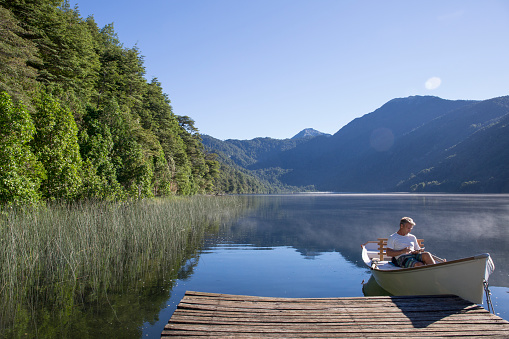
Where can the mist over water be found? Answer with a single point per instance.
(453, 226)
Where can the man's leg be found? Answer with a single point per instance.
(427, 258)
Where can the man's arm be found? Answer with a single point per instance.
(393, 253)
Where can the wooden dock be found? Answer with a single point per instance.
(223, 315)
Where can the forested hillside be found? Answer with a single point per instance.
(414, 144)
(471, 152)
(79, 120)
(236, 156)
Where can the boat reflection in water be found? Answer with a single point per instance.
(372, 289)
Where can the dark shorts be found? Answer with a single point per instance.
(409, 260)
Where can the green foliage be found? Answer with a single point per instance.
(100, 129)
(198, 165)
(20, 172)
(64, 41)
(99, 174)
(56, 146)
(236, 181)
(16, 77)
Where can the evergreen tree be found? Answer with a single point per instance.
(68, 60)
(17, 77)
(195, 153)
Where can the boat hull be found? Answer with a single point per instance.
(464, 278)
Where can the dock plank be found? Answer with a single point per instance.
(223, 315)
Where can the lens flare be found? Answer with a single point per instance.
(433, 83)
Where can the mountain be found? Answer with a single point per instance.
(309, 133)
(475, 155)
(419, 143)
(246, 153)
(239, 157)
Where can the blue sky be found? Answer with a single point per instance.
(270, 68)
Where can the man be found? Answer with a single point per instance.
(405, 249)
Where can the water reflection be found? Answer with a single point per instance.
(371, 288)
(453, 226)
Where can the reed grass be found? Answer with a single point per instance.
(93, 247)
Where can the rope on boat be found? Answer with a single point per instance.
(488, 296)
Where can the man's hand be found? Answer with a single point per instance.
(418, 251)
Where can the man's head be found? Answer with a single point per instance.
(405, 225)
(407, 220)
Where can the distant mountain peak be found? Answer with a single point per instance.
(308, 133)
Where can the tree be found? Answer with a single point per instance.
(68, 59)
(156, 114)
(56, 145)
(121, 73)
(17, 77)
(203, 170)
(133, 169)
(20, 172)
(96, 147)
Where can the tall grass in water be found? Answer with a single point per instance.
(60, 253)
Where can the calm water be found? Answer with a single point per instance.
(308, 245)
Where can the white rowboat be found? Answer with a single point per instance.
(463, 277)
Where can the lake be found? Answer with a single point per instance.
(308, 245)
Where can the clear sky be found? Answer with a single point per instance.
(270, 68)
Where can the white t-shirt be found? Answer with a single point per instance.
(398, 242)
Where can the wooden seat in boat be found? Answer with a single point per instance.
(382, 248)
